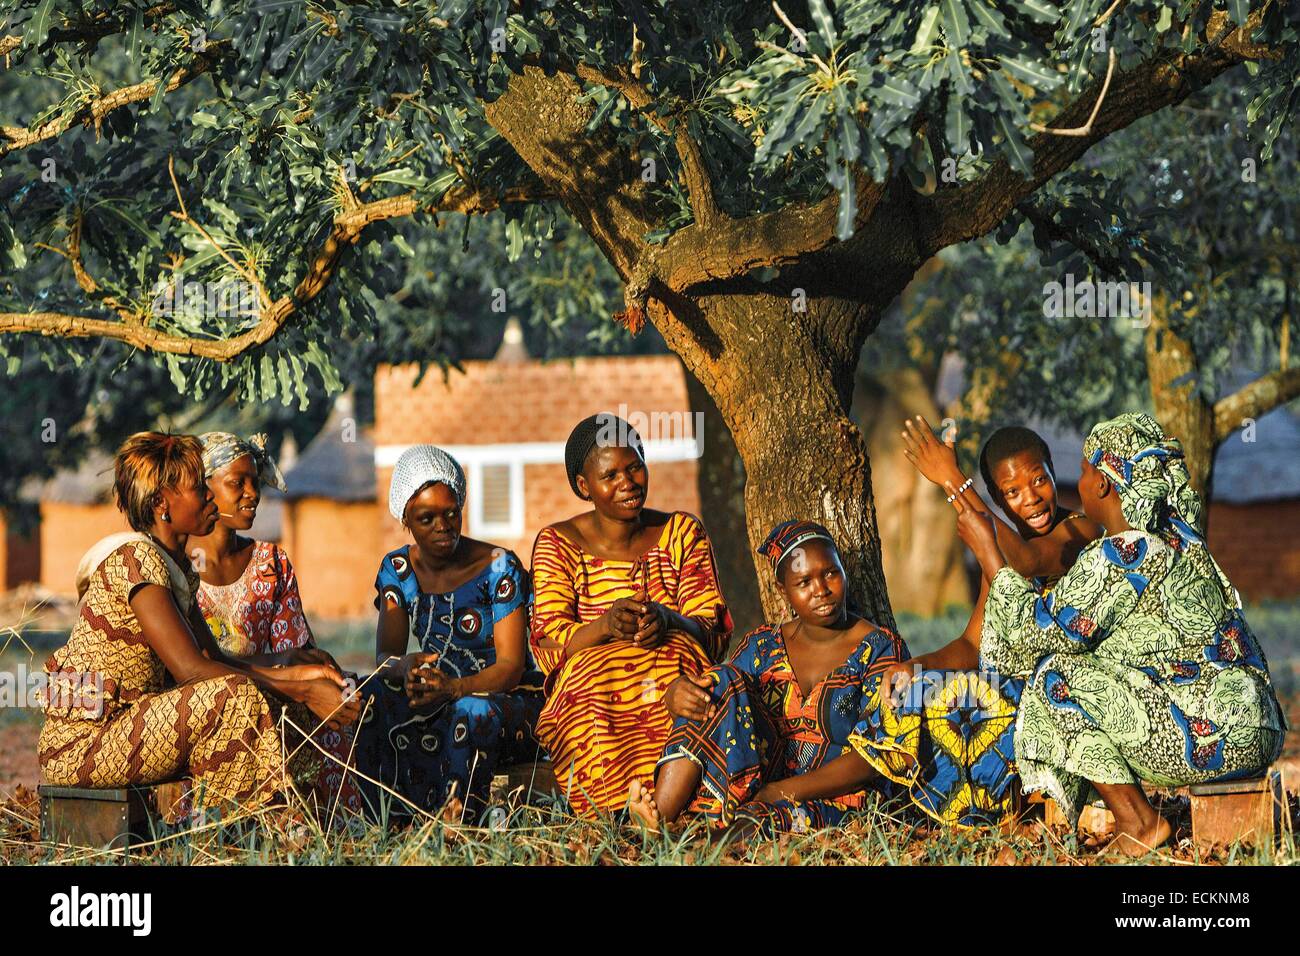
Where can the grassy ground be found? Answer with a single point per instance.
(538, 831)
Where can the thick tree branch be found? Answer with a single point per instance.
(1253, 400)
(347, 229)
(695, 171)
(15, 137)
(597, 179)
(730, 248)
(976, 208)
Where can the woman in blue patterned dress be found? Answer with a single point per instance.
(438, 722)
(763, 740)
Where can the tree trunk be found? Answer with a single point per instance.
(721, 480)
(1180, 408)
(784, 391)
(778, 358)
(921, 554)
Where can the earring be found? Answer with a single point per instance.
(167, 516)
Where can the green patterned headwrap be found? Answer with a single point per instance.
(1150, 475)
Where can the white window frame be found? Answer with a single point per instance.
(478, 527)
(517, 455)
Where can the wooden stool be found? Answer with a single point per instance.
(109, 818)
(530, 777)
(1238, 811)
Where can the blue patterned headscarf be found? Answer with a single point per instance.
(1150, 475)
(787, 536)
(221, 448)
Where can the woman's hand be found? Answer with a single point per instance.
(336, 705)
(691, 697)
(422, 679)
(312, 655)
(935, 460)
(426, 686)
(623, 619)
(894, 683)
(652, 626)
(311, 672)
(979, 533)
(772, 793)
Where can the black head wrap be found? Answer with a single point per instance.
(604, 430)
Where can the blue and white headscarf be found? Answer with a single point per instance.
(221, 448)
(1150, 475)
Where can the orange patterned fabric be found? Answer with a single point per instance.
(261, 613)
(604, 722)
(110, 721)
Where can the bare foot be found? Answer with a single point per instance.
(1143, 840)
(641, 806)
(453, 811)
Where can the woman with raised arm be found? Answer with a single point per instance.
(141, 692)
(955, 721)
(1139, 664)
(627, 600)
(438, 721)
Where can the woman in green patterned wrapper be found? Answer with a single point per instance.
(1139, 664)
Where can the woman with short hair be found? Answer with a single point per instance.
(111, 720)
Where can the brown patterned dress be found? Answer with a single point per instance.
(112, 721)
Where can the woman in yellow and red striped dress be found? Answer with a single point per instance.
(626, 601)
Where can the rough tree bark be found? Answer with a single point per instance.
(1202, 426)
(922, 557)
(721, 481)
(1179, 407)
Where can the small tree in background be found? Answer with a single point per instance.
(1210, 221)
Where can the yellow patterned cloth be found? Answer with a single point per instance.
(111, 721)
(951, 742)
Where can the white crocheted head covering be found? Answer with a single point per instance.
(418, 466)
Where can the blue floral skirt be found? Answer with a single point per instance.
(430, 756)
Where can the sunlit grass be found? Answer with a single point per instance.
(546, 835)
(540, 832)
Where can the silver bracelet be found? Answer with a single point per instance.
(961, 490)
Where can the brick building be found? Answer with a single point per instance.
(506, 422)
(20, 553)
(331, 521)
